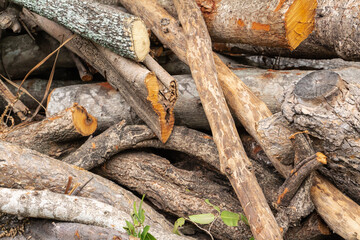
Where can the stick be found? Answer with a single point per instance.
(233, 160)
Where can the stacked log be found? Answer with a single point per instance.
(277, 147)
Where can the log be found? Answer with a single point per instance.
(176, 191)
(37, 171)
(123, 81)
(121, 137)
(84, 74)
(128, 38)
(271, 23)
(233, 160)
(329, 38)
(245, 105)
(53, 230)
(21, 53)
(325, 104)
(69, 124)
(46, 204)
(286, 63)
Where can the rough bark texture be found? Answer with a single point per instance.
(120, 138)
(53, 230)
(69, 124)
(246, 106)
(27, 169)
(95, 21)
(233, 160)
(46, 204)
(20, 53)
(326, 105)
(174, 190)
(329, 38)
(100, 148)
(86, 50)
(271, 23)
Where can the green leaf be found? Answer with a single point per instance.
(244, 219)
(205, 218)
(144, 232)
(214, 206)
(180, 222)
(229, 218)
(252, 238)
(130, 229)
(141, 213)
(149, 237)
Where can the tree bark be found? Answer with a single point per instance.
(27, 169)
(53, 230)
(233, 160)
(130, 91)
(69, 124)
(329, 38)
(176, 191)
(272, 23)
(325, 104)
(128, 38)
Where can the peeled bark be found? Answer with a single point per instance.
(91, 20)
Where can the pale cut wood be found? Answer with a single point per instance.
(233, 160)
(67, 125)
(121, 32)
(123, 81)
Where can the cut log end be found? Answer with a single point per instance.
(162, 106)
(84, 123)
(299, 21)
(140, 39)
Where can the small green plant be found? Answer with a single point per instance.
(231, 219)
(135, 229)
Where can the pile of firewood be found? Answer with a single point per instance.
(137, 102)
